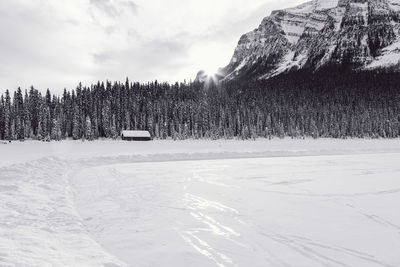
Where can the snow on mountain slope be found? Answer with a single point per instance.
(360, 34)
(394, 5)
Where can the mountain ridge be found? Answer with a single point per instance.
(354, 34)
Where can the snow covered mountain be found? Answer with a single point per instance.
(356, 34)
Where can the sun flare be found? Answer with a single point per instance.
(211, 72)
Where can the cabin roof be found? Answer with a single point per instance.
(127, 133)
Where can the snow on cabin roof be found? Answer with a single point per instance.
(136, 134)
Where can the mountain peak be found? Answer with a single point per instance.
(356, 34)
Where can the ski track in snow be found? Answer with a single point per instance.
(289, 211)
(304, 211)
(39, 225)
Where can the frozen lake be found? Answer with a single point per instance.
(286, 202)
(286, 211)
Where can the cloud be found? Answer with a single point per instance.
(100, 58)
(131, 6)
(56, 43)
(105, 6)
(114, 8)
(154, 58)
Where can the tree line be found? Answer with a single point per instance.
(300, 104)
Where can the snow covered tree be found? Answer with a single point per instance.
(56, 130)
(113, 128)
(76, 131)
(7, 116)
(88, 132)
(328, 105)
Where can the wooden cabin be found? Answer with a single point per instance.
(136, 135)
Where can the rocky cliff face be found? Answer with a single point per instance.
(357, 34)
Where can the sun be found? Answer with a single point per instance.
(211, 71)
(210, 58)
(211, 65)
(211, 74)
(208, 78)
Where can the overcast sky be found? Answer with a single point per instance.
(58, 43)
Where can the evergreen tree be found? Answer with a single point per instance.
(88, 132)
(330, 104)
(56, 130)
(76, 133)
(7, 116)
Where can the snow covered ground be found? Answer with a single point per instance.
(200, 203)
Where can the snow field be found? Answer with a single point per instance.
(39, 225)
(297, 211)
(203, 203)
